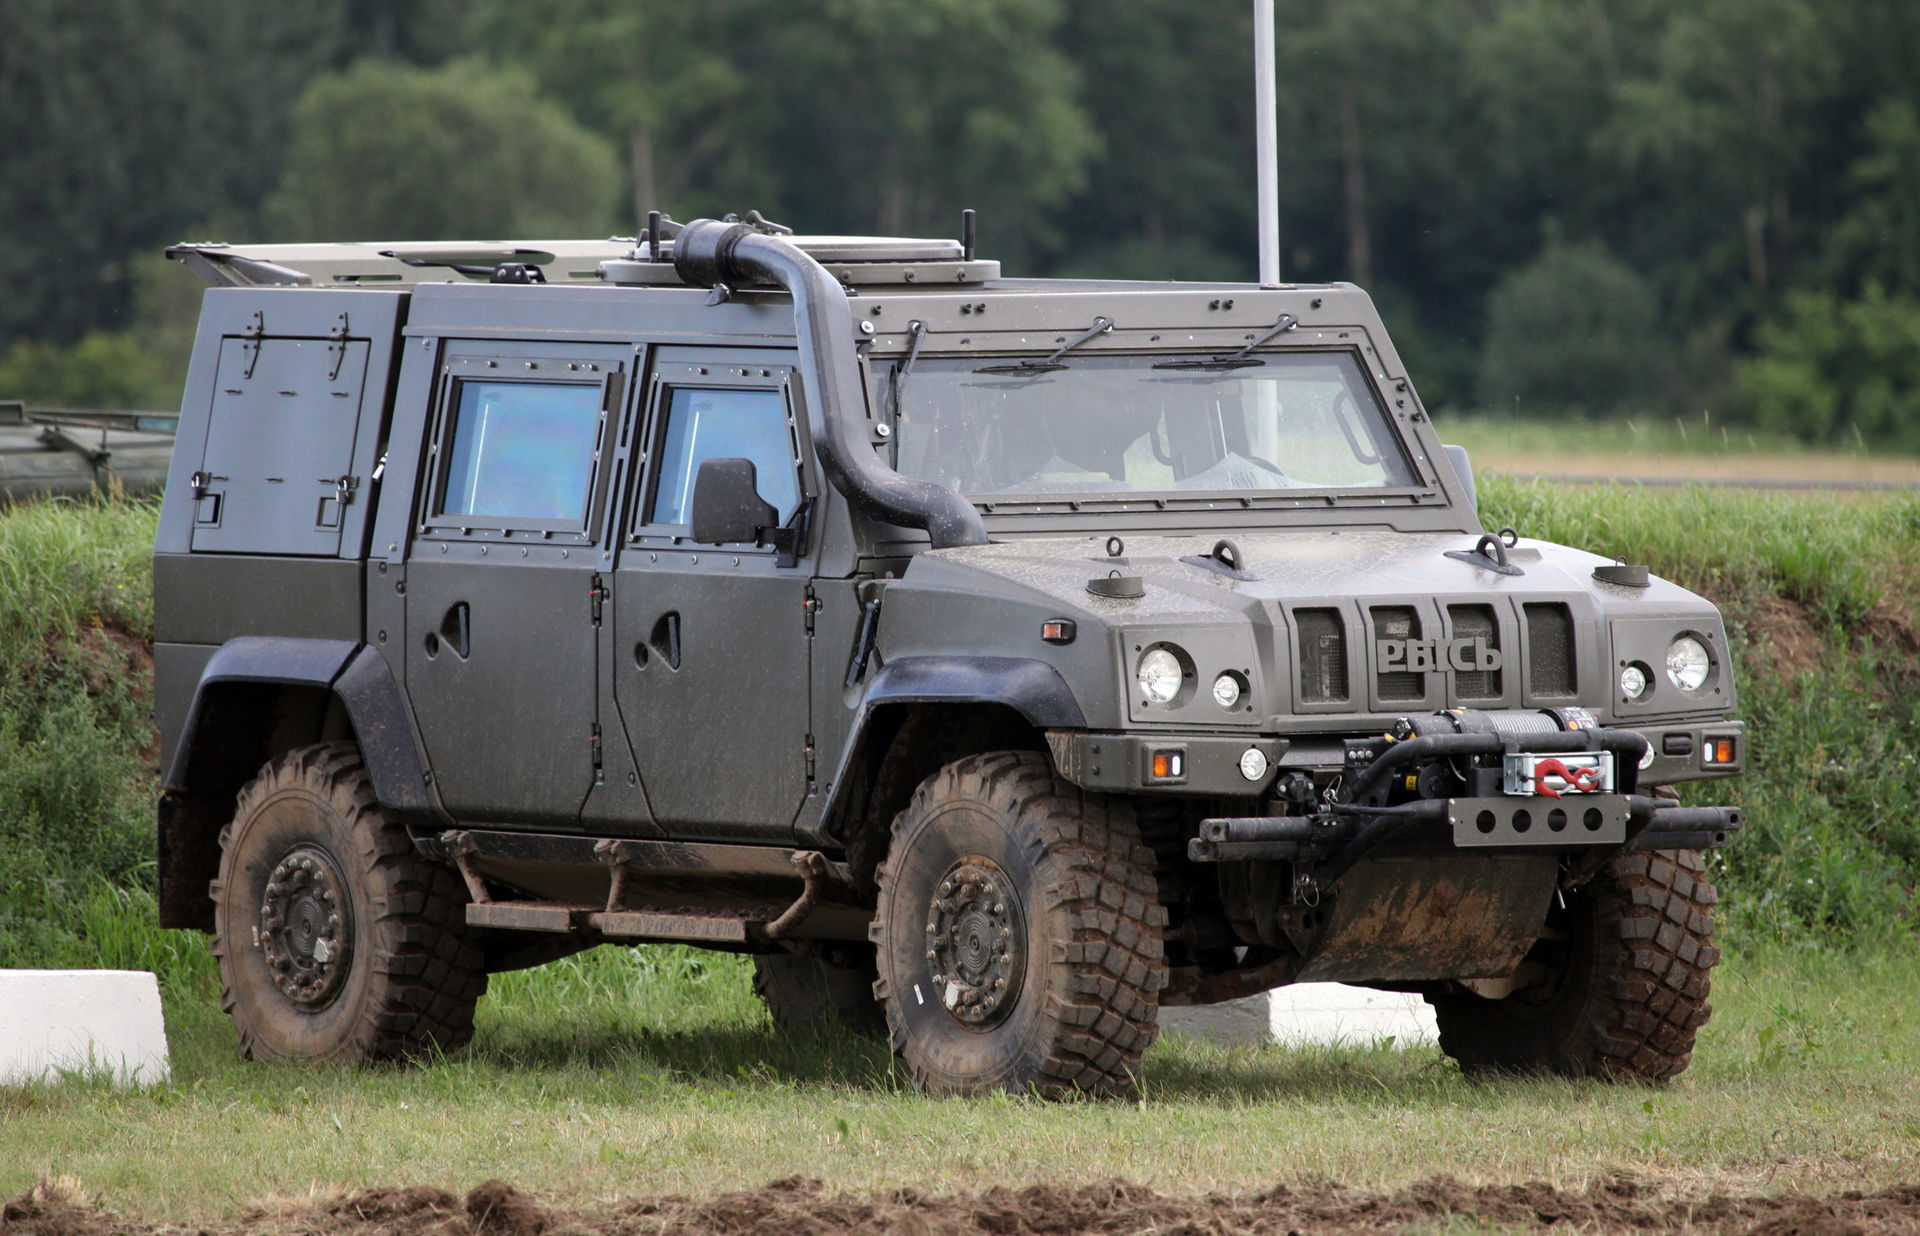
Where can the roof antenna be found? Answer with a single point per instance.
(1266, 144)
(966, 234)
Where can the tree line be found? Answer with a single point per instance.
(1607, 206)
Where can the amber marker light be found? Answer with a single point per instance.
(1718, 751)
(1168, 764)
(1057, 630)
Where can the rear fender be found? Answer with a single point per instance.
(258, 698)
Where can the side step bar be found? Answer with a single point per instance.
(618, 924)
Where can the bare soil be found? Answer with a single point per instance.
(797, 1207)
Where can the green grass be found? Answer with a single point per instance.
(1499, 434)
(76, 791)
(1736, 547)
(653, 1071)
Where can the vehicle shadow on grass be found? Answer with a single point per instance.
(726, 1053)
(1178, 1071)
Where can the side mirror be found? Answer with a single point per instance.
(1463, 468)
(727, 506)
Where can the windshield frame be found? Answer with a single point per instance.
(1404, 428)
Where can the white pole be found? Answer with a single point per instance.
(1267, 143)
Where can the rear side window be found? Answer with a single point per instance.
(721, 423)
(522, 451)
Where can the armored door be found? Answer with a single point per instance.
(712, 644)
(276, 476)
(502, 607)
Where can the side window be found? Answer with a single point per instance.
(723, 423)
(521, 451)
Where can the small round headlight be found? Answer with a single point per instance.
(1159, 675)
(1227, 689)
(1687, 663)
(1253, 763)
(1633, 681)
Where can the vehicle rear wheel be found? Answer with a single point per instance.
(1019, 934)
(811, 993)
(1616, 988)
(336, 940)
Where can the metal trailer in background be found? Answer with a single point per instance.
(46, 451)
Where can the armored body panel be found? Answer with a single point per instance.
(829, 599)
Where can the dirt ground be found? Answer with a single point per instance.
(799, 1207)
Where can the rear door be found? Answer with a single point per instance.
(501, 601)
(277, 472)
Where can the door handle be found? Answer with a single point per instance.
(456, 630)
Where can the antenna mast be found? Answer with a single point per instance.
(1266, 143)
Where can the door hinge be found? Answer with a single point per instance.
(251, 342)
(593, 741)
(812, 606)
(337, 347)
(807, 752)
(597, 599)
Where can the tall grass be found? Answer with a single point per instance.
(1832, 845)
(1832, 848)
(75, 719)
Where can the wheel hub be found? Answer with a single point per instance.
(976, 942)
(306, 927)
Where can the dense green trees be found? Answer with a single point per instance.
(1560, 203)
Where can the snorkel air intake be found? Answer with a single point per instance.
(707, 252)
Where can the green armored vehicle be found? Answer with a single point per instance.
(996, 661)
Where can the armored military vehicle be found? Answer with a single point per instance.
(996, 661)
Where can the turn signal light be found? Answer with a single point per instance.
(1168, 764)
(1057, 630)
(1717, 751)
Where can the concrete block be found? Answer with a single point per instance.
(90, 1021)
(1332, 1014)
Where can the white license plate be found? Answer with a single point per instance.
(1558, 776)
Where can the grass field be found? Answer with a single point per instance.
(650, 1071)
(1695, 447)
(654, 1071)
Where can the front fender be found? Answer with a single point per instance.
(1031, 688)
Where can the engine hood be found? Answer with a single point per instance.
(1330, 628)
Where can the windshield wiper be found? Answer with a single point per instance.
(1100, 327)
(916, 335)
(1240, 359)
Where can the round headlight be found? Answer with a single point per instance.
(1159, 675)
(1633, 682)
(1253, 764)
(1687, 663)
(1227, 689)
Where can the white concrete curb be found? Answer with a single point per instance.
(1332, 1014)
(103, 1022)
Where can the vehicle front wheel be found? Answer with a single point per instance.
(1018, 934)
(1617, 987)
(336, 940)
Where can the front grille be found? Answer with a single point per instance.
(1402, 623)
(1476, 622)
(1550, 661)
(1323, 655)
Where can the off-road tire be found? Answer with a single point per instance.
(411, 974)
(1083, 1007)
(1625, 983)
(810, 993)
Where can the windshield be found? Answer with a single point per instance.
(1116, 425)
